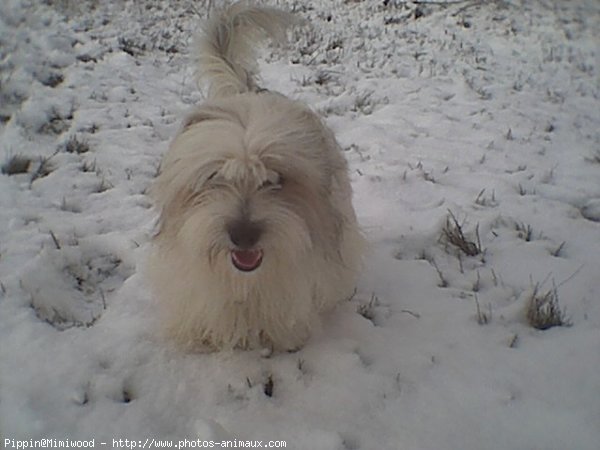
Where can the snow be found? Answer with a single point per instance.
(484, 110)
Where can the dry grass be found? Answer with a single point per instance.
(268, 386)
(453, 234)
(16, 164)
(76, 145)
(544, 311)
(594, 157)
(57, 123)
(558, 251)
(367, 310)
(486, 200)
(443, 281)
(43, 169)
(524, 231)
(483, 318)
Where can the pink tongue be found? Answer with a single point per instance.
(246, 259)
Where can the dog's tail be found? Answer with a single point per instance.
(226, 55)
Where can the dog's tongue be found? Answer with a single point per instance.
(246, 260)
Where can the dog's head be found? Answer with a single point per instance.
(247, 185)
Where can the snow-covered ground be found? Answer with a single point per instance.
(475, 117)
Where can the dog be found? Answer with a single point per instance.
(257, 236)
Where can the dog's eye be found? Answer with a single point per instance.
(211, 181)
(273, 181)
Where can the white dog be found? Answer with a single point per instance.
(257, 230)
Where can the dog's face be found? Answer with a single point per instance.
(247, 190)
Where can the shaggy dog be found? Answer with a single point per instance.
(257, 233)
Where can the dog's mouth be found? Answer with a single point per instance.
(246, 260)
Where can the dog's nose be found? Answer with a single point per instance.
(244, 233)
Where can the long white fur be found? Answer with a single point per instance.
(218, 165)
(227, 46)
